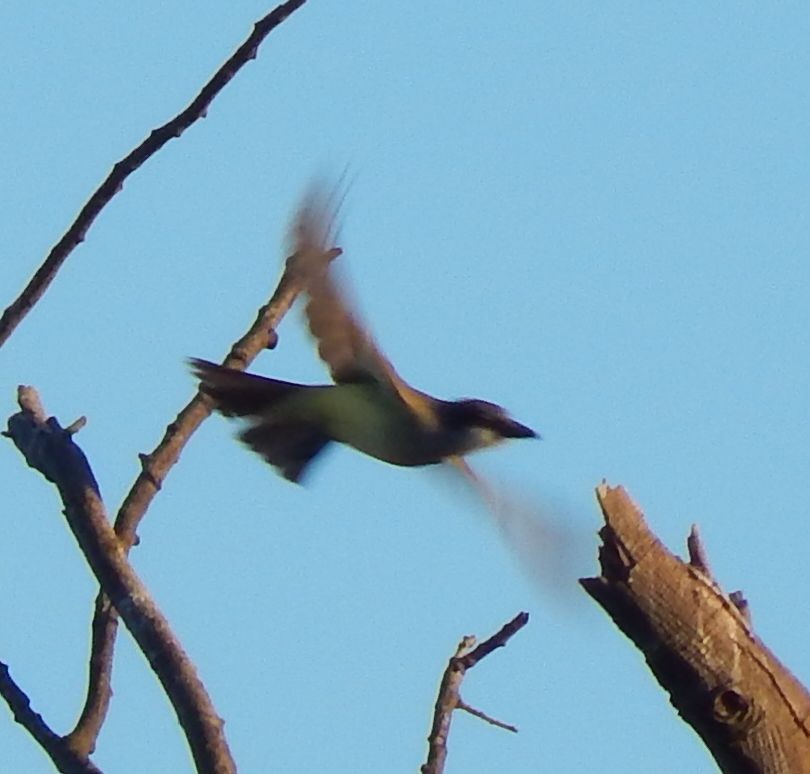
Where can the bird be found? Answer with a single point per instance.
(369, 407)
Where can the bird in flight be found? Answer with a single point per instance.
(369, 407)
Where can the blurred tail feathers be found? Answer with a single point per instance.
(285, 443)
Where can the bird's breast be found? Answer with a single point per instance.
(375, 421)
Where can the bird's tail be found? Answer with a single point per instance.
(239, 394)
(287, 444)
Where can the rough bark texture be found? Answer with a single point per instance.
(750, 711)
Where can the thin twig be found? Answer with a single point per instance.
(497, 640)
(449, 697)
(197, 109)
(462, 705)
(49, 449)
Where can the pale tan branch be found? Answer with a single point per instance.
(750, 711)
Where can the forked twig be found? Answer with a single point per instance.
(51, 450)
(155, 468)
(449, 698)
(58, 748)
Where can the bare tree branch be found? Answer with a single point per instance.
(750, 711)
(48, 448)
(449, 698)
(156, 466)
(103, 630)
(497, 640)
(197, 109)
(58, 748)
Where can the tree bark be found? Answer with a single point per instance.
(748, 709)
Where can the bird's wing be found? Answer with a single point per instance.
(344, 343)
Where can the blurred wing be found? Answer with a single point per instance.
(344, 344)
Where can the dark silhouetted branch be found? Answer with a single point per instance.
(58, 748)
(43, 277)
(449, 698)
(155, 468)
(50, 449)
(750, 711)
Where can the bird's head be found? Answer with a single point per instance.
(488, 422)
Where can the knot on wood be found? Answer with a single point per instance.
(734, 710)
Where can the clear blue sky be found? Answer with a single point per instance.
(595, 214)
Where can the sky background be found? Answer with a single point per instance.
(594, 214)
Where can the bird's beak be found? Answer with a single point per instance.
(512, 429)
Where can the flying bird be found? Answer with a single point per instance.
(369, 407)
